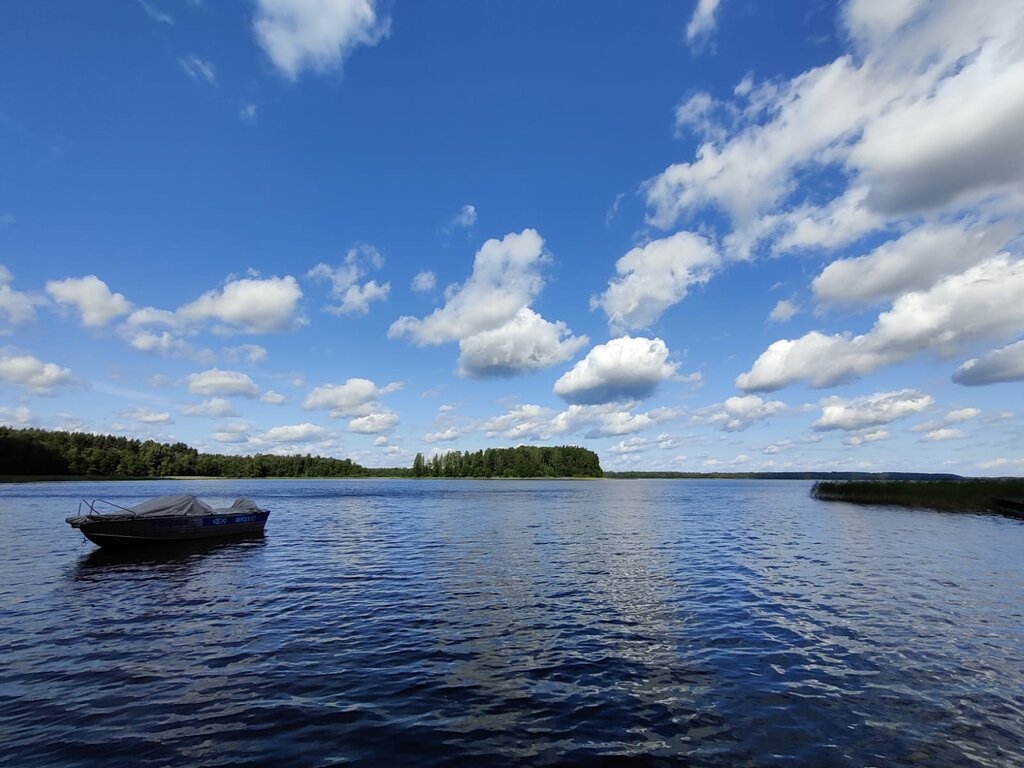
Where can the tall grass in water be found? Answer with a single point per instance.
(1002, 495)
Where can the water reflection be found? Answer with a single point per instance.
(459, 623)
(156, 554)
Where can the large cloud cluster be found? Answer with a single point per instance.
(490, 315)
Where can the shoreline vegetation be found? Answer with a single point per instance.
(38, 454)
(1004, 496)
(35, 455)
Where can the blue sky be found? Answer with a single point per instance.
(706, 236)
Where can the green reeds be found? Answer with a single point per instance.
(1001, 495)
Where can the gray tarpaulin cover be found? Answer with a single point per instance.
(162, 506)
(165, 506)
(184, 504)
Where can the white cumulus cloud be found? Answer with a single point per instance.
(249, 305)
(374, 423)
(490, 316)
(525, 343)
(871, 411)
(738, 413)
(915, 261)
(316, 35)
(216, 382)
(356, 397)
(922, 117)
(424, 281)
(534, 422)
(147, 416)
(783, 311)
(443, 435)
(31, 373)
(294, 433)
(654, 277)
(982, 302)
(15, 306)
(93, 299)
(999, 365)
(351, 297)
(626, 368)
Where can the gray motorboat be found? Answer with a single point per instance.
(166, 519)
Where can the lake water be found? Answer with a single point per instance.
(489, 623)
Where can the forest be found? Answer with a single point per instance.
(33, 452)
(39, 452)
(523, 461)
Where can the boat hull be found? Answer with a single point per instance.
(164, 530)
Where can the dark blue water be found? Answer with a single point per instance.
(495, 623)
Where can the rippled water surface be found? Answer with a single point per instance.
(515, 623)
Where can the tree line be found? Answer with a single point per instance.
(46, 452)
(523, 461)
(35, 452)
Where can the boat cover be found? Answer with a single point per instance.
(167, 506)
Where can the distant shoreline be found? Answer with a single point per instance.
(840, 477)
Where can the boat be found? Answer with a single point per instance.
(166, 519)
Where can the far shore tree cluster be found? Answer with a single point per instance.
(39, 452)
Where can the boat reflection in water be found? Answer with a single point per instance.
(173, 555)
(166, 519)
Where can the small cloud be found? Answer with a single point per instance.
(464, 219)
(146, 416)
(424, 281)
(316, 35)
(31, 372)
(198, 69)
(374, 423)
(216, 408)
(443, 435)
(95, 302)
(865, 436)
(353, 298)
(272, 398)
(739, 413)
(247, 114)
(702, 23)
(155, 13)
(252, 353)
(783, 311)
(613, 209)
(356, 397)
(294, 433)
(944, 433)
(218, 382)
(961, 414)
(18, 307)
